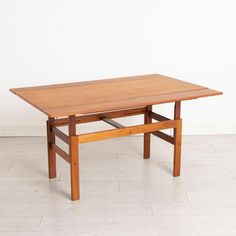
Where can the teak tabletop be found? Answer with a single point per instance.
(102, 100)
(111, 94)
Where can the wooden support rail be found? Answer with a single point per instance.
(60, 134)
(164, 136)
(158, 117)
(61, 153)
(97, 117)
(89, 137)
(113, 123)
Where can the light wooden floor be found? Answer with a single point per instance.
(121, 194)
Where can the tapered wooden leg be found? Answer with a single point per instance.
(147, 136)
(52, 172)
(177, 141)
(74, 160)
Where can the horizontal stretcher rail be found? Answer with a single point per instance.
(61, 153)
(164, 136)
(97, 117)
(60, 135)
(113, 123)
(157, 117)
(107, 134)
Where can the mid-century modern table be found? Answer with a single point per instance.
(101, 100)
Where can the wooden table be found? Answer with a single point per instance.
(101, 100)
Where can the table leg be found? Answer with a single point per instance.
(147, 136)
(177, 140)
(74, 159)
(52, 172)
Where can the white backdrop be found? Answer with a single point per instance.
(53, 41)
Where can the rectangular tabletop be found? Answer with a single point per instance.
(110, 94)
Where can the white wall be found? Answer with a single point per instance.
(53, 41)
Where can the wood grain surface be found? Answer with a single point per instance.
(110, 94)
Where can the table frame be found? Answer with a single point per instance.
(74, 140)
